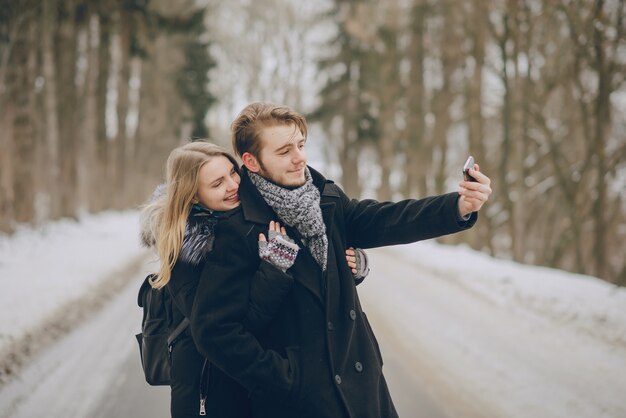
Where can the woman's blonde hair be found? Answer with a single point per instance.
(167, 215)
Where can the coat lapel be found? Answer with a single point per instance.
(255, 209)
(305, 270)
(328, 212)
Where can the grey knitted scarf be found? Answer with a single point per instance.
(300, 209)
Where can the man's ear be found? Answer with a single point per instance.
(251, 162)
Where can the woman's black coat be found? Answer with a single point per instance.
(318, 357)
(224, 397)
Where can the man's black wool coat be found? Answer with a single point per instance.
(318, 357)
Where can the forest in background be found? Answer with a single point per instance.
(94, 95)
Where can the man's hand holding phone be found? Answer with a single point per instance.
(474, 190)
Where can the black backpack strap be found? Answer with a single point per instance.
(143, 291)
(177, 331)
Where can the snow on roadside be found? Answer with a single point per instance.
(42, 269)
(584, 302)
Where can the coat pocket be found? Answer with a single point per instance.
(293, 356)
(186, 362)
(155, 358)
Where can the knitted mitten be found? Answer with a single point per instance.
(279, 250)
(362, 265)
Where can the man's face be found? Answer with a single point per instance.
(282, 159)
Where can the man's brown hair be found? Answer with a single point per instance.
(247, 127)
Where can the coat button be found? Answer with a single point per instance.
(330, 326)
(352, 314)
(338, 379)
(358, 366)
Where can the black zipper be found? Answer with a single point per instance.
(204, 385)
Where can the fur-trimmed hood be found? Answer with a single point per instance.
(147, 218)
(199, 233)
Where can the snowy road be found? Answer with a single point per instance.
(449, 352)
(76, 377)
(480, 359)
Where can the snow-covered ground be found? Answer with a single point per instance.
(582, 302)
(45, 270)
(487, 337)
(57, 276)
(531, 346)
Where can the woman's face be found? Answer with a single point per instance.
(218, 184)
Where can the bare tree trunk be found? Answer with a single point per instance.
(593, 46)
(89, 158)
(388, 95)
(148, 127)
(14, 20)
(7, 195)
(451, 59)
(475, 119)
(523, 108)
(7, 115)
(441, 108)
(66, 47)
(386, 160)
(350, 161)
(100, 190)
(518, 136)
(160, 113)
(569, 192)
(620, 279)
(83, 169)
(123, 78)
(602, 109)
(507, 149)
(416, 92)
(25, 71)
(51, 115)
(134, 174)
(350, 147)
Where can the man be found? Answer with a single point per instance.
(319, 357)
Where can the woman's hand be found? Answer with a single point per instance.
(278, 250)
(357, 261)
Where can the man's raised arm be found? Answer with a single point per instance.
(374, 224)
(370, 223)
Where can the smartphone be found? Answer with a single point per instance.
(468, 164)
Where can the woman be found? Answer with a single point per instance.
(202, 184)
